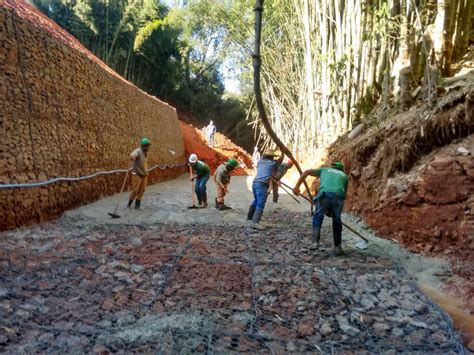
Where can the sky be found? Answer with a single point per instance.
(230, 83)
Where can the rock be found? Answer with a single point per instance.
(121, 275)
(397, 332)
(108, 304)
(325, 329)
(462, 151)
(23, 314)
(366, 303)
(349, 330)
(380, 327)
(345, 327)
(136, 242)
(100, 350)
(137, 268)
(420, 324)
(305, 328)
(46, 338)
(291, 347)
(439, 337)
(3, 339)
(4, 292)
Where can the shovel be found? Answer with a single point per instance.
(192, 188)
(115, 215)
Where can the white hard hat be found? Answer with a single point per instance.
(193, 158)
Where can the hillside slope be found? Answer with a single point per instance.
(412, 179)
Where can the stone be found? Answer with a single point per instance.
(397, 332)
(100, 350)
(325, 329)
(290, 347)
(137, 268)
(305, 328)
(462, 151)
(136, 242)
(380, 327)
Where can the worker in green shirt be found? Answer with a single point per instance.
(203, 173)
(330, 198)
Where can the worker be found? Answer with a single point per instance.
(266, 167)
(222, 180)
(202, 175)
(277, 176)
(255, 157)
(210, 132)
(330, 198)
(140, 173)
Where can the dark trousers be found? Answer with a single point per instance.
(332, 203)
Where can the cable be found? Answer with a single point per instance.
(52, 181)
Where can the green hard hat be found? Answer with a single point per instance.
(145, 141)
(338, 165)
(232, 162)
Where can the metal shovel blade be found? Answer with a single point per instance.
(113, 215)
(362, 245)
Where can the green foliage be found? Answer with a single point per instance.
(176, 54)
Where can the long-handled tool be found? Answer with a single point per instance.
(115, 215)
(361, 245)
(192, 188)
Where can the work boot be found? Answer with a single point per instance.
(316, 236)
(223, 207)
(338, 250)
(204, 200)
(256, 220)
(129, 204)
(137, 204)
(250, 213)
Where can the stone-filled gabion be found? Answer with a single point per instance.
(65, 113)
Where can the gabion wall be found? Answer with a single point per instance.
(64, 113)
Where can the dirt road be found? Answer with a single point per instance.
(168, 279)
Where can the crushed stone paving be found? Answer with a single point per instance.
(170, 288)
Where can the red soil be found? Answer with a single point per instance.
(195, 142)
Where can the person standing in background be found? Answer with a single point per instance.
(210, 132)
(255, 157)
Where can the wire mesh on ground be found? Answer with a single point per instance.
(172, 288)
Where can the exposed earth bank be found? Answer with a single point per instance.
(412, 179)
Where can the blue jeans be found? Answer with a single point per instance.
(200, 188)
(210, 140)
(334, 203)
(260, 194)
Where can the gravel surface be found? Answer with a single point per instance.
(206, 283)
